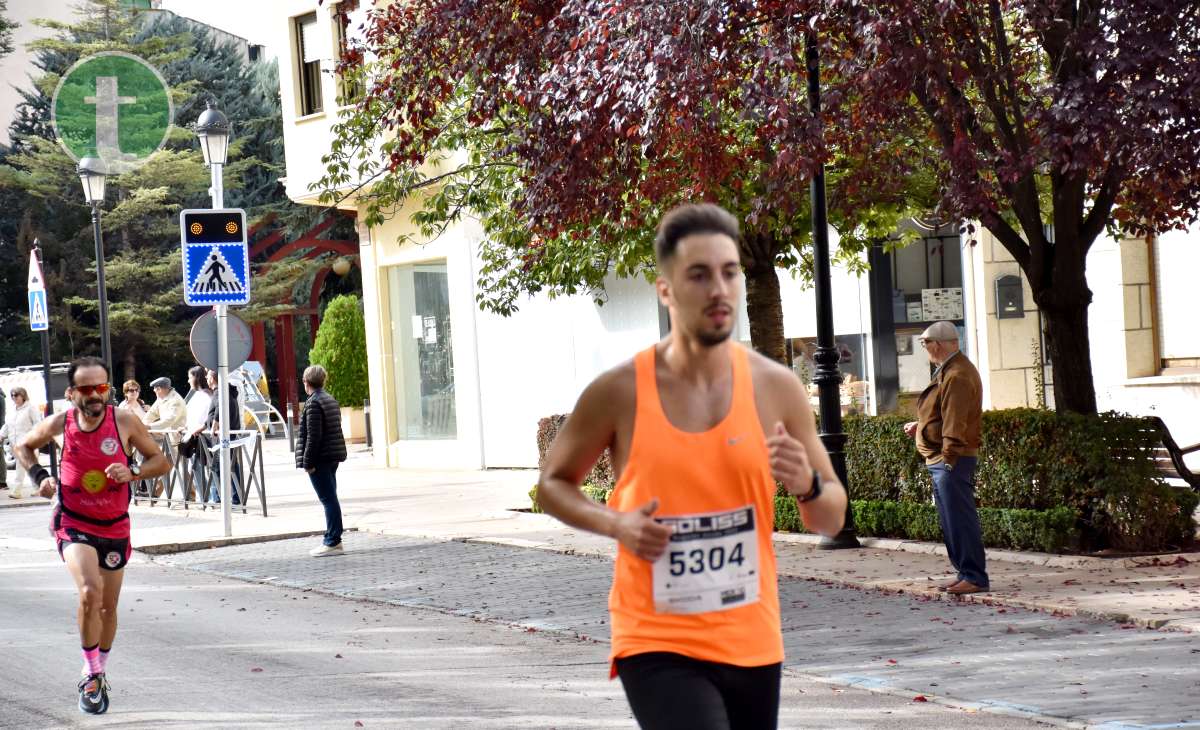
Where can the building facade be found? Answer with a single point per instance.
(452, 386)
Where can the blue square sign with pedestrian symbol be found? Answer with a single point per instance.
(216, 259)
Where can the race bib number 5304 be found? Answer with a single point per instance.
(711, 563)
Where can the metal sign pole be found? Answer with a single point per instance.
(218, 201)
(38, 280)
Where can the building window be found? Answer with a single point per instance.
(308, 52)
(422, 352)
(1172, 297)
(348, 19)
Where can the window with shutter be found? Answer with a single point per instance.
(308, 54)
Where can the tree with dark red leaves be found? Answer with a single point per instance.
(568, 128)
(1083, 115)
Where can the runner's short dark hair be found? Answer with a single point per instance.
(86, 362)
(684, 220)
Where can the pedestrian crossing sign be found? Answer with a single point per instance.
(39, 319)
(216, 258)
(39, 313)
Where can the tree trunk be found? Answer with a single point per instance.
(1065, 308)
(130, 364)
(765, 311)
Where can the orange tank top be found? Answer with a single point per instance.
(714, 594)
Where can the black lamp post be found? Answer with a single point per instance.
(827, 377)
(92, 174)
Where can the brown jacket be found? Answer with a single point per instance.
(949, 412)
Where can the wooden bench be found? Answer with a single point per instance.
(1169, 456)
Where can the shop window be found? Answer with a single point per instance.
(422, 352)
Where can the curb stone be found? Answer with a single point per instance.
(1047, 560)
(172, 548)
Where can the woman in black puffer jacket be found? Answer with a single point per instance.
(319, 449)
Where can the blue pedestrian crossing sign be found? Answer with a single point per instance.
(216, 257)
(39, 313)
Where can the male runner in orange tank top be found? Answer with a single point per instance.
(700, 430)
(91, 518)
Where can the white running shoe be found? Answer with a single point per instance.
(327, 550)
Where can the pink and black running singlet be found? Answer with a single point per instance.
(88, 501)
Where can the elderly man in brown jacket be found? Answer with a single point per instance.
(947, 434)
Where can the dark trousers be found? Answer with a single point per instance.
(954, 494)
(669, 691)
(324, 481)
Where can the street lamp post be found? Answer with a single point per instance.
(212, 128)
(92, 174)
(827, 376)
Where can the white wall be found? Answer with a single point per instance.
(307, 138)
(537, 362)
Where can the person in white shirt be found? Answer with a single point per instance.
(22, 417)
(199, 399)
(133, 401)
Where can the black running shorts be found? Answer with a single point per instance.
(670, 691)
(112, 553)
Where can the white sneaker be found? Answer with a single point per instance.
(327, 550)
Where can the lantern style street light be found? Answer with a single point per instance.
(93, 174)
(213, 130)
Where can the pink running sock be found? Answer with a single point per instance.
(104, 659)
(91, 656)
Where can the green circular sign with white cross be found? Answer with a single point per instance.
(113, 106)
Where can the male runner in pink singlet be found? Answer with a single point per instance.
(91, 517)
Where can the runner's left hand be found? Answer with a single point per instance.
(118, 473)
(789, 462)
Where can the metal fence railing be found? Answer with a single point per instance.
(194, 480)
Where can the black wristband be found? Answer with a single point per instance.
(39, 474)
(816, 488)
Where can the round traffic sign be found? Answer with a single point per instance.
(203, 340)
(114, 106)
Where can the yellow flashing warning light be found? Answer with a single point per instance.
(196, 229)
(231, 228)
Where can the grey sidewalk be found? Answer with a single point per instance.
(1157, 592)
(1068, 671)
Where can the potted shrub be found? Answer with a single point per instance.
(341, 348)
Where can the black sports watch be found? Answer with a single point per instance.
(816, 488)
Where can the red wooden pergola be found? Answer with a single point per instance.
(267, 250)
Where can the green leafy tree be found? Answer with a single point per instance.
(6, 29)
(341, 348)
(42, 197)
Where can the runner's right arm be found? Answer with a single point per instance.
(590, 429)
(26, 451)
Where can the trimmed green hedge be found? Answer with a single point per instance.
(1046, 481)
(1047, 531)
(1098, 466)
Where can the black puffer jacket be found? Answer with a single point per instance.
(320, 442)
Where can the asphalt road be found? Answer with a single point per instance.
(423, 635)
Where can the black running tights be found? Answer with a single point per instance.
(668, 691)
